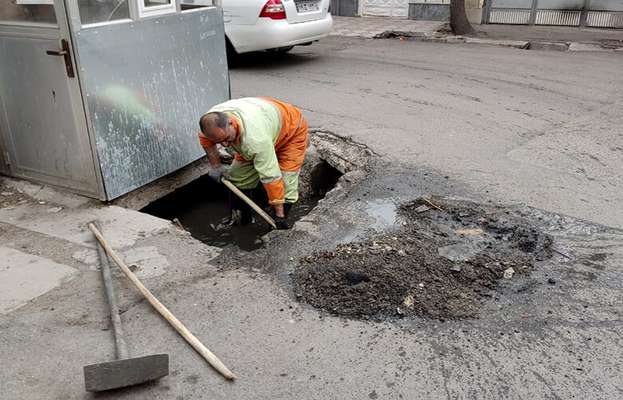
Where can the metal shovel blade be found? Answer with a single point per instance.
(121, 373)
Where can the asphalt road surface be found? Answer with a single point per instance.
(536, 127)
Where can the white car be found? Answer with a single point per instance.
(252, 25)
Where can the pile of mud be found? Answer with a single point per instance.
(446, 258)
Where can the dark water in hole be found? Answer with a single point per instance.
(202, 205)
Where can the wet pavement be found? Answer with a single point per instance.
(552, 333)
(533, 127)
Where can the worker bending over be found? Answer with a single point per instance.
(269, 139)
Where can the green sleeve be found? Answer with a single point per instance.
(265, 162)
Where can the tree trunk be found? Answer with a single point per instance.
(458, 18)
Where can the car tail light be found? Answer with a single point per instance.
(273, 9)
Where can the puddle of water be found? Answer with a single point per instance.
(201, 207)
(384, 213)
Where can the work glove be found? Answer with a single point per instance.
(216, 174)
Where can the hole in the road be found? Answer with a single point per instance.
(443, 260)
(203, 207)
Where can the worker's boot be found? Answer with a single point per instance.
(286, 208)
(283, 223)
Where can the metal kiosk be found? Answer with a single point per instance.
(103, 96)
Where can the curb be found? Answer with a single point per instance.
(550, 46)
(575, 46)
(518, 44)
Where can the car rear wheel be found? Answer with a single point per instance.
(232, 54)
(281, 50)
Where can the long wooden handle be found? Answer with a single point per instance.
(250, 202)
(179, 327)
(120, 344)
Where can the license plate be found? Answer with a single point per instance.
(306, 6)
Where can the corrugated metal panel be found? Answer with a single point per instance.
(345, 8)
(605, 19)
(508, 16)
(557, 17)
(601, 13)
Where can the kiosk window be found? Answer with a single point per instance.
(155, 7)
(98, 11)
(38, 11)
(153, 3)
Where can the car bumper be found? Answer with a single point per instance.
(270, 34)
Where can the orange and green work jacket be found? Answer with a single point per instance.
(270, 146)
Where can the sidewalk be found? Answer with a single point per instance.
(550, 33)
(378, 27)
(559, 38)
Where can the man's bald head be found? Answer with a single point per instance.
(218, 128)
(213, 119)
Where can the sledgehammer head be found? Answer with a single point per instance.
(126, 372)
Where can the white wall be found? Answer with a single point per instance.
(386, 8)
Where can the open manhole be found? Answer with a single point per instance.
(202, 207)
(443, 261)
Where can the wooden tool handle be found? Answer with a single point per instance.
(250, 202)
(120, 344)
(179, 327)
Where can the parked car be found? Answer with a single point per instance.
(277, 25)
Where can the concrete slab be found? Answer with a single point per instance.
(574, 46)
(148, 260)
(549, 46)
(455, 39)
(121, 226)
(46, 193)
(519, 44)
(17, 270)
(549, 33)
(86, 256)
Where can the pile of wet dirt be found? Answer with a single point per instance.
(443, 261)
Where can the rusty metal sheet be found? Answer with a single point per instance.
(146, 83)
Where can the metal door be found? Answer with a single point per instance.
(42, 121)
(604, 14)
(345, 8)
(598, 13)
(509, 11)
